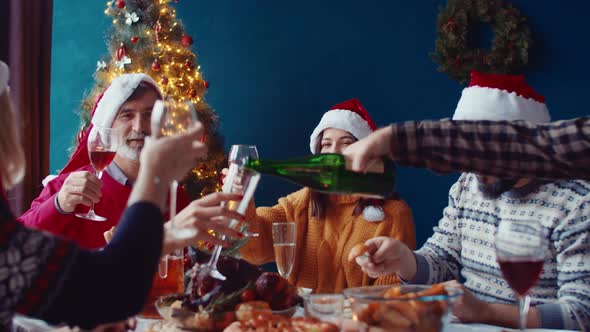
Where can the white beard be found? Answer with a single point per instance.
(128, 152)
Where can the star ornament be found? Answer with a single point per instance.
(131, 18)
(101, 65)
(124, 61)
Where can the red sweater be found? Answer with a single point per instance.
(86, 233)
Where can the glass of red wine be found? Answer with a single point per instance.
(521, 247)
(102, 147)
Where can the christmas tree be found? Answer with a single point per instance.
(147, 37)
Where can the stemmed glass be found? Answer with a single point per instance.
(171, 118)
(521, 247)
(102, 147)
(284, 239)
(239, 180)
(238, 154)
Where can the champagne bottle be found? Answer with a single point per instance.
(330, 173)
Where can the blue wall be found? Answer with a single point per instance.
(276, 66)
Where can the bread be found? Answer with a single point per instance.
(356, 251)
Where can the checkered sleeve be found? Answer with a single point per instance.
(508, 149)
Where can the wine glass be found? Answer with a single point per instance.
(521, 246)
(284, 239)
(238, 154)
(242, 181)
(102, 147)
(171, 118)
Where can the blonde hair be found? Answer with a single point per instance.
(12, 157)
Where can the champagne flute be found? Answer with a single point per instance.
(171, 118)
(102, 147)
(284, 239)
(521, 247)
(242, 181)
(238, 153)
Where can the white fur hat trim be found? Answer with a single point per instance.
(340, 119)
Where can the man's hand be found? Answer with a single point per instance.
(79, 188)
(467, 307)
(369, 149)
(387, 256)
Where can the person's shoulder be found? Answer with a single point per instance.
(300, 195)
(575, 190)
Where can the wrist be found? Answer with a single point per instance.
(409, 266)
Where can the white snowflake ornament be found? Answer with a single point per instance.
(101, 65)
(124, 61)
(131, 18)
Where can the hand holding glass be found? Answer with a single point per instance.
(244, 182)
(102, 147)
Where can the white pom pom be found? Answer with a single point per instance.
(373, 213)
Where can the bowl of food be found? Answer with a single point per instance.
(422, 308)
(211, 304)
(171, 309)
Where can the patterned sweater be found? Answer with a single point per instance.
(463, 246)
(323, 244)
(47, 277)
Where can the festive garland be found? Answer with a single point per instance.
(510, 45)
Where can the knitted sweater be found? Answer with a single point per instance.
(463, 244)
(322, 246)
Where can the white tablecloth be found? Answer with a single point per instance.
(143, 325)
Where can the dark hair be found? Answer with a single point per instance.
(142, 88)
(318, 199)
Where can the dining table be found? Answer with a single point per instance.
(154, 325)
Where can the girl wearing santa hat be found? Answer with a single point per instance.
(329, 226)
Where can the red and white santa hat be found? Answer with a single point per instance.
(499, 97)
(4, 76)
(350, 116)
(105, 110)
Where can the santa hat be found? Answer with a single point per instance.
(104, 112)
(498, 97)
(4, 75)
(350, 116)
(354, 118)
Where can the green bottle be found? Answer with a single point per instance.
(329, 173)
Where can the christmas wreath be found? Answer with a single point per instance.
(510, 45)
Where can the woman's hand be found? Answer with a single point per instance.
(387, 256)
(200, 216)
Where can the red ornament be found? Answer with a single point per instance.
(120, 4)
(186, 40)
(188, 64)
(202, 167)
(121, 52)
(164, 80)
(156, 66)
(450, 25)
(206, 84)
(134, 39)
(192, 93)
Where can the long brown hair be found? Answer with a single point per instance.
(318, 200)
(12, 157)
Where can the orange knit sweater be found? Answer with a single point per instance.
(323, 245)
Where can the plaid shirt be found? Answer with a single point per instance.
(557, 150)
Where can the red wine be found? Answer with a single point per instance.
(521, 275)
(101, 159)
